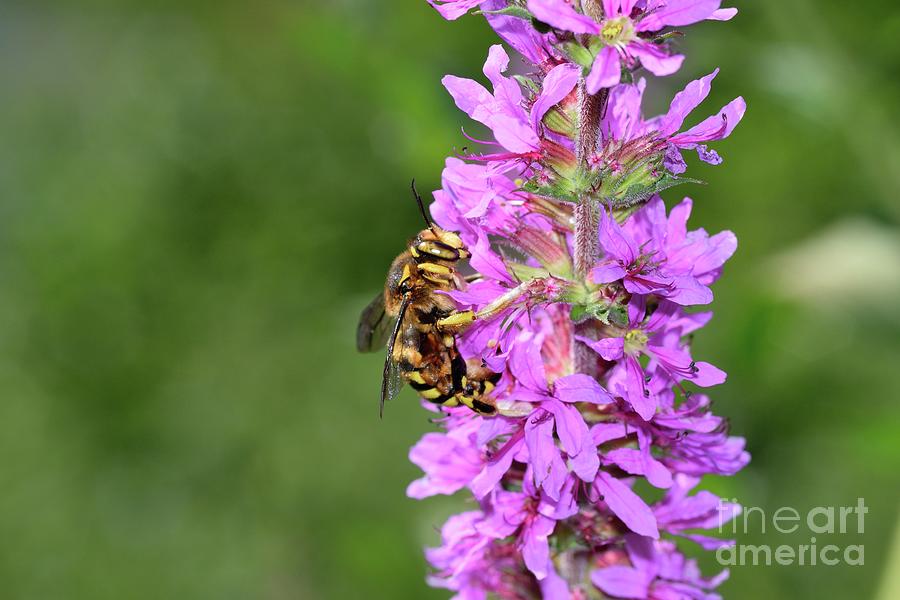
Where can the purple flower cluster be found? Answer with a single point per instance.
(581, 306)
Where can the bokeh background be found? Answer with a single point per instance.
(197, 199)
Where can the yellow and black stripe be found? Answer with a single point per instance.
(472, 393)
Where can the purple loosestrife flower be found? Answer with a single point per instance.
(623, 34)
(502, 111)
(656, 571)
(625, 122)
(577, 300)
(657, 337)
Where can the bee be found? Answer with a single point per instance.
(406, 317)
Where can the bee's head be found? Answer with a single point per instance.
(440, 243)
(435, 241)
(405, 282)
(448, 238)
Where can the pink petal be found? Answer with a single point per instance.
(676, 13)
(648, 283)
(556, 480)
(536, 552)
(642, 554)
(535, 549)
(493, 472)
(689, 292)
(656, 60)
(454, 9)
(496, 64)
(521, 35)
(608, 273)
(558, 84)
(684, 103)
(513, 134)
(486, 261)
(708, 375)
(657, 474)
(526, 362)
(606, 71)
(724, 14)
(643, 405)
(622, 582)
(623, 118)
(605, 432)
(607, 348)
(720, 248)
(554, 587)
(541, 448)
(561, 15)
(626, 505)
(570, 425)
(716, 127)
(637, 308)
(468, 95)
(581, 388)
(676, 227)
(586, 463)
(615, 241)
(611, 8)
(635, 462)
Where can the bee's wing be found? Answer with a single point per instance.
(391, 379)
(374, 326)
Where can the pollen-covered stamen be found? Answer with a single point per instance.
(617, 32)
(635, 341)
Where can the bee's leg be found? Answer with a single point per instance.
(437, 273)
(456, 322)
(531, 292)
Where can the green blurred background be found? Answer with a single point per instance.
(197, 198)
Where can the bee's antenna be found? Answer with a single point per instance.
(421, 206)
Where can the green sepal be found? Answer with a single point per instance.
(618, 315)
(585, 312)
(608, 314)
(595, 45)
(638, 193)
(528, 82)
(560, 189)
(510, 11)
(524, 272)
(557, 120)
(662, 37)
(579, 54)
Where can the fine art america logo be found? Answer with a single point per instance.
(821, 520)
